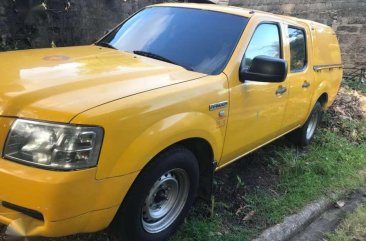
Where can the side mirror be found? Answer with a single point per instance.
(265, 69)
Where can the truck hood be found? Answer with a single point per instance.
(57, 84)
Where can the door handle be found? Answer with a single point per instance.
(281, 90)
(306, 84)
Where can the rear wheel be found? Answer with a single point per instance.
(160, 198)
(305, 134)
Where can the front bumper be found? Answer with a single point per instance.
(26, 226)
(69, 202)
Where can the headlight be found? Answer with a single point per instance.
(53, 146)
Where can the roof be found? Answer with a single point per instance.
(238, 11)
(213, 7)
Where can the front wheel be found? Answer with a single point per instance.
(160, 198)
(305, 134)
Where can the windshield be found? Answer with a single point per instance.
(195, 39)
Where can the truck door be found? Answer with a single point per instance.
(300, 78)
(256, 109)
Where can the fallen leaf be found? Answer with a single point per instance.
(249, 216)
(340, 204)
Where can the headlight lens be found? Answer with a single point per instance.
(53, 146)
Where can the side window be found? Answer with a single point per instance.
(297, 48)
(265, 41)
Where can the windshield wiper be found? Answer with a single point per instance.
(158, 57)
(105, 44)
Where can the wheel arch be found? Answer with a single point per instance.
(204, 153)
(323, 99)
(320, 94)
(202, 150)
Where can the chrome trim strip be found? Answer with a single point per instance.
(327, 66)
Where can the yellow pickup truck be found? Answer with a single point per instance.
(127, 132)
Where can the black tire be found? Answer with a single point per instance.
(303, 135)
(132, 223)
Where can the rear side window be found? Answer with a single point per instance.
(265, 41)
(297, 48)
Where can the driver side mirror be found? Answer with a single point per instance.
(265, 69)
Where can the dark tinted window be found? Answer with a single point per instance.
(265, 41)
(196, 39)
(297, 48)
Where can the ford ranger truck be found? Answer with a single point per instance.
(127, 132)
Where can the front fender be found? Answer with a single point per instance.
(161, 135)
(139, 127)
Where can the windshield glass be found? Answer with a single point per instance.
(195, 39)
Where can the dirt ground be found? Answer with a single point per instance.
(349, 104)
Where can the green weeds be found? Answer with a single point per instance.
(331, 163)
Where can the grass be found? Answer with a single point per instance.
(356, 85)
(352, 228)
(331, 163)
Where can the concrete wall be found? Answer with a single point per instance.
(29, 24)
(347, 17)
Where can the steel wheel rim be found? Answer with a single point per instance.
(165, 201)
(312, 125)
